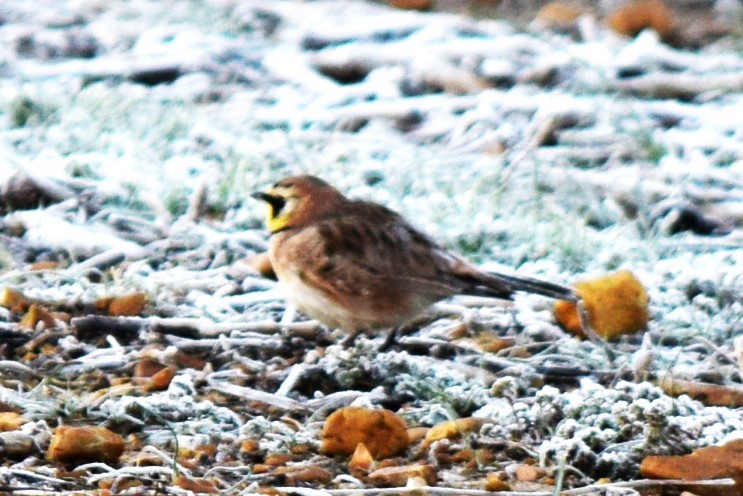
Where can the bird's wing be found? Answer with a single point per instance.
(371, 248)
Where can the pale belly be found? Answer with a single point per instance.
(362, 317)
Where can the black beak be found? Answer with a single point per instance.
(260, 195)
(276, 202)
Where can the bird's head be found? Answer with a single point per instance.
(296, 201)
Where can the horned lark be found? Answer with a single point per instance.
(359, 266)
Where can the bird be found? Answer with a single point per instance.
(360, 267)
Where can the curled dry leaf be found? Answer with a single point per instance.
(451, 429)
(127, 306)
(416, 434)
(203, 486)
(411, 4)
(492, 343)
(122, 485)
(528, 473)
(13, 300)
(11, 421)
(43, 265)
(249, 446)
(277, 459)
(85, 444)
(617, 304)
(495, 482)
(713, 462)
(382, 431)
(399, 476)
(361, 462)
(638, 15)
(160, 380)
(103, 303)
(35, 315)
(187, 361)
(304, 474)
(147, 367)
(709, 394)
(558, 15)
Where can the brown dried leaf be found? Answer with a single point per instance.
(147, 367)
(415, 434)
(127, 306)
(161, 380)
(361, 462)
(638, 15)
(617, 304)
(121, 485)
(249, 446)
(528, 473)
(205, 486)
(13, 300)
(304, 474)
(558, 15)
(43, 265)
(277, 459)
(411, 4)
(382, 431)
(84, 444)
(495, 482)
(186, 361)
(103, 303)
(399, 476)
(490, 342)
(709, 394)
(35, 315)
(11, 421)
(713, 462)
(451, 429)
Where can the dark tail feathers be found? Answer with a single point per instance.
(503, 286)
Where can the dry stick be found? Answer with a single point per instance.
(251, 394)
(208, 328)
(644, 483)
(202, 327)
(682, 85)
(295, 373)
(341, 398)
(33, 475)
(474, 354)
(701, 243)
(17, 368)
(131, 472)
(102, 261)
(256, 341)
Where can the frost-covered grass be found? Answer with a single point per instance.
(554, 169)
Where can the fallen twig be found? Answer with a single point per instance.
(592, 489)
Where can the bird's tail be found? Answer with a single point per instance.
(503, 286)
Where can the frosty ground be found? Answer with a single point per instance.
(144, 127)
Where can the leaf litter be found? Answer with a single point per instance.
(133, 134)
